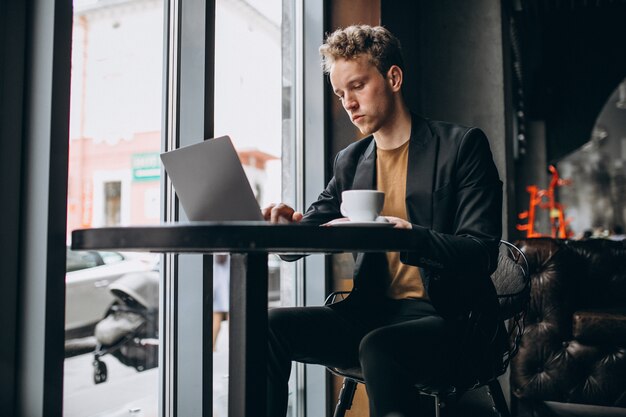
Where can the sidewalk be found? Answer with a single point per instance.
(128, 393)
(125, 393)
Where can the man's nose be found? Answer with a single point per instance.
(350, 103)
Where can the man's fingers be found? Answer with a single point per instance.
(399, 223)
(267, 211)
(275, 214)
(280, 213)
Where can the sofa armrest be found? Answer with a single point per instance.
(600, 326)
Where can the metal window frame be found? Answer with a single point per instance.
(314, 150)
(188, 109)
(35, 44)
(186, 304)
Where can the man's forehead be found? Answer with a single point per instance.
(345, 67)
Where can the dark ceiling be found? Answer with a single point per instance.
(572, 57)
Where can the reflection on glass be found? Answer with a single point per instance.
(595, 200)
(253, 105)
(115, 121)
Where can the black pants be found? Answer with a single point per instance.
(397, 343)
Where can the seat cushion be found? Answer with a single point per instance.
(599, 326)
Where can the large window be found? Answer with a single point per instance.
(111, 323)
(253, 105)
(112, 335)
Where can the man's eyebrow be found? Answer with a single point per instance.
(356, 80)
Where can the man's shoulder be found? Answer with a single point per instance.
(356, 149)
(452, 137)
(452, 131)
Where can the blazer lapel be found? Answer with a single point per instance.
(423, 150)
(364, 179)
(420, 178)
(365, 174)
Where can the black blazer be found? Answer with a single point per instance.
(453, 200)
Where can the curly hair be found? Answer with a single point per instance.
(382, 47)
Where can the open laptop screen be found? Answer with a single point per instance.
(210, 181)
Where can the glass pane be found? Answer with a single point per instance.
(254, 44)
(111, 257)
(77, 260)
(111, 307)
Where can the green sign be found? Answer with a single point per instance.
(146, 166)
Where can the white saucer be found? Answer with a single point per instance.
(373, 223)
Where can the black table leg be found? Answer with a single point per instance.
(248, 336)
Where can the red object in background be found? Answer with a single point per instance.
(545, 200)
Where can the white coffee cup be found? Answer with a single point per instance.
(362, 205)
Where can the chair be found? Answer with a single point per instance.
(512, 282)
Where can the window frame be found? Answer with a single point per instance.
(188, 109)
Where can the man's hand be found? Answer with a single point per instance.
(399, 223)
(281, 213)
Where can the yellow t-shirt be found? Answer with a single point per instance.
(405, 281)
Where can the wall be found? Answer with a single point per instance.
(456, 65)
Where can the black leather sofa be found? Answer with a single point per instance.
(572, 358)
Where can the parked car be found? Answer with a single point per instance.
(87, 279)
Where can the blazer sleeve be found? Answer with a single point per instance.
(323, 210)
(326, 207)
(477, 225)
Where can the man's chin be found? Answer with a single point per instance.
(365, 130)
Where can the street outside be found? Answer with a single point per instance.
(128, 393)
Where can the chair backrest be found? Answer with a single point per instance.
(512, 282)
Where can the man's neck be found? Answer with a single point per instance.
(397, 131)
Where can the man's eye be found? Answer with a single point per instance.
(358, 86)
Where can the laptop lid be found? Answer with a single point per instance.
(210, 181)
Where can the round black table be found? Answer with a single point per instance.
(249, 243)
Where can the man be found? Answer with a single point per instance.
(406, 316)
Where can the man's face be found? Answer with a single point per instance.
(365, 94)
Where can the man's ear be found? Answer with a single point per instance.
(394, 77)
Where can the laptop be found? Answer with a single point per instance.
(210, 181)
